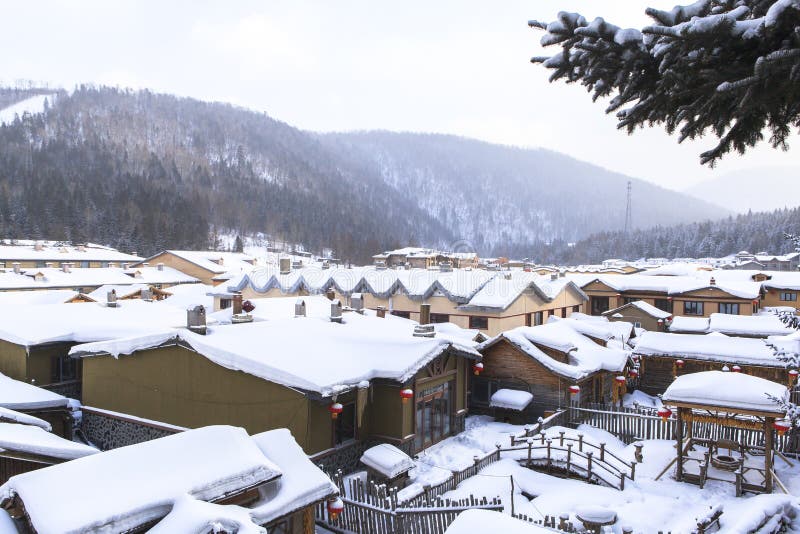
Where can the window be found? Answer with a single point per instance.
(440, 318)
(482, 390)
(576, 309)
(788, 296)
(344, 427)
(628, 300)
(224, 304)
(599, 305)
(85, 264)
(103, 264)
(637, 324)
(403, 314)
(40, 264)
(433, 414)
(564, 313)
(538, 318)
(63, 368)
(664, 305)
(551, 313)
(692, 307)
(480, 323)
(729, 308)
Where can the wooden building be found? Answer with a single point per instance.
(29, 254)
(204, 265)
(546, 361)
(641, 314)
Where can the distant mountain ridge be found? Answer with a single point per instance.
(144, 171)
(767, 188)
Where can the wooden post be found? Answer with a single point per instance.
(638, 454)
(769, 444)
(589, 465)
(679, 439)
(530, 445)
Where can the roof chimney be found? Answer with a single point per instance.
(553, 277)
(357, 302)
(147, 295)
(16, 266)
(196, 320)
(712, 282)
(111, 264)
(424, 330)
(562, 274)
(237, 303)
(111, 298)
(424, 314)
(300, 308)
(65, 267)
(381, 312)
(336, 311)
(160, 266)
(330, 294)
(38, 246)
(124, 266)
(285, 265)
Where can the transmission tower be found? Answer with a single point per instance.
(628, 224)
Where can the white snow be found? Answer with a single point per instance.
(511, 399)
(472, 521)
(127, 487)
(387, 460)
(713, 347)
(34, 440)
(32, 105)
(726, 390)
(18, 395)
(13, 416)
(192, 516)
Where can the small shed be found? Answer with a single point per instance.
(509, 403)
(388, 464)
(729, 400)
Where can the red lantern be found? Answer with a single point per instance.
(406, 394)
(679, 364)
(477, 368)
(782, 426)
(664, 413)
(335, 507)
(793, 374)
(335, 409)
(620, 380)
(736, 369)
(248, 306)
(574, 389)
(633, 373)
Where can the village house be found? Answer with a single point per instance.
(554, 363)
(641, 314)
(37, 403)
(210, 479)
(334, 379)
(28, 254)
(204, 265)
(663, 356)
(425, 258)
(758, 326)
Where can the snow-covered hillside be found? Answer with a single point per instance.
(34, 104)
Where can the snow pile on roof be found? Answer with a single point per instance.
(472, 521)
(689, 324)
(387, 460)
(675, 285)
(602, 329)
(127, 487)
(511, 399)
(309, 353)
(726, 390)
(748, 325)
(187, 296)
(190, 515)
(101, 293)
(37, 441)
(302, 483)
(643, 306)
(17, 395)
(12, 299)
(215, 261)
(713, 347)
(13, 416)
(584, 355)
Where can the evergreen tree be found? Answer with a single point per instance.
(731, 67)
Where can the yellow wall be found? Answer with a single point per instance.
(186, 267)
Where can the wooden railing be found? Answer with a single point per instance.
(68, 388)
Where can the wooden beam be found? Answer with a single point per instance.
(679, 446)
(769, 435)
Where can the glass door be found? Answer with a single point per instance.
(433, 413)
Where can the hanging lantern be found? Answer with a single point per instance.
(782, 426)
(477, 368)
(793, 374)
(755, 303)
(635, 357)
(664, 413)
(736, 369)
(406, 394)
(335, 408)
(574, 389)
(679, 364)
(248, 306)
(620, 380)
(335, 507)
(633, 373)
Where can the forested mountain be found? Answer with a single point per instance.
(144, 171)
(753, 232)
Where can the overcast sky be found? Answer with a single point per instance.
(451, 66)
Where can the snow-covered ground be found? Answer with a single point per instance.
(32, 105)
(646, 505)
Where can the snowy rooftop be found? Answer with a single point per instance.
(712, 347)
(59, 252)
(387, 460)
(215, 261)
(511, 399)
(642, 306)
(11, 416)
(585, 356)
(55, 277)
(726, 390)
(472, 521)
(10, 299)
(17, 395)
(34, 440)
(675, 285)
(127, 487)
(191, 515)
(310, 353)
(748, 325)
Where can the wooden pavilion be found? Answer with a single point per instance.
(741, 412)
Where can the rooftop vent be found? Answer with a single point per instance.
(196, 320)
(381, 311)
(507, 276)
(424, 314)
(38, 246)
(80, 248)
(326, 264)
(712, 282)
(111, 298)
(65, 267)
(299, 308)
(554, 276)
(357, 302)
(336, 311)
(147, 295)
(424, 330)
(16, 266)
(562, 274)
(285, 265)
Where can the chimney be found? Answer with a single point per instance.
(196, 320)
(424, 330)
(357, 302)
(326, 264)
(65, 267)
(160, 266)
(112, 265)
(424, 314)
(111, 298)
(553, 277)
(336, 311)
(16, 266)
(237, 303)
(300, 308)
(562, 274)
(38, 246)
(712, 282)
(381, 311)
(80, 248)
(147, 295)
(286, 265)
(330, 294)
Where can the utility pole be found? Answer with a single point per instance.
(628, 223)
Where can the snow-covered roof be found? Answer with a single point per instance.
(600, 328)
(713, 347)
(191, 515)
(726, 390)
(387, 460)
(80, 277)
(676, 285)
(685, 324)
(128, 487)
(12, 416)
(10, 299)
(17, 395)
(302, 483)
(584, 355)
(101, 293)
(215, 261)
(162, 274)
(54, 251)
(643, 306)
(189, 295)
(475, 520)
(734, 325)
(310, 353)
(511, 399)
(35, 440)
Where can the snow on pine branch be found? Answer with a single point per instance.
(730, 67)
